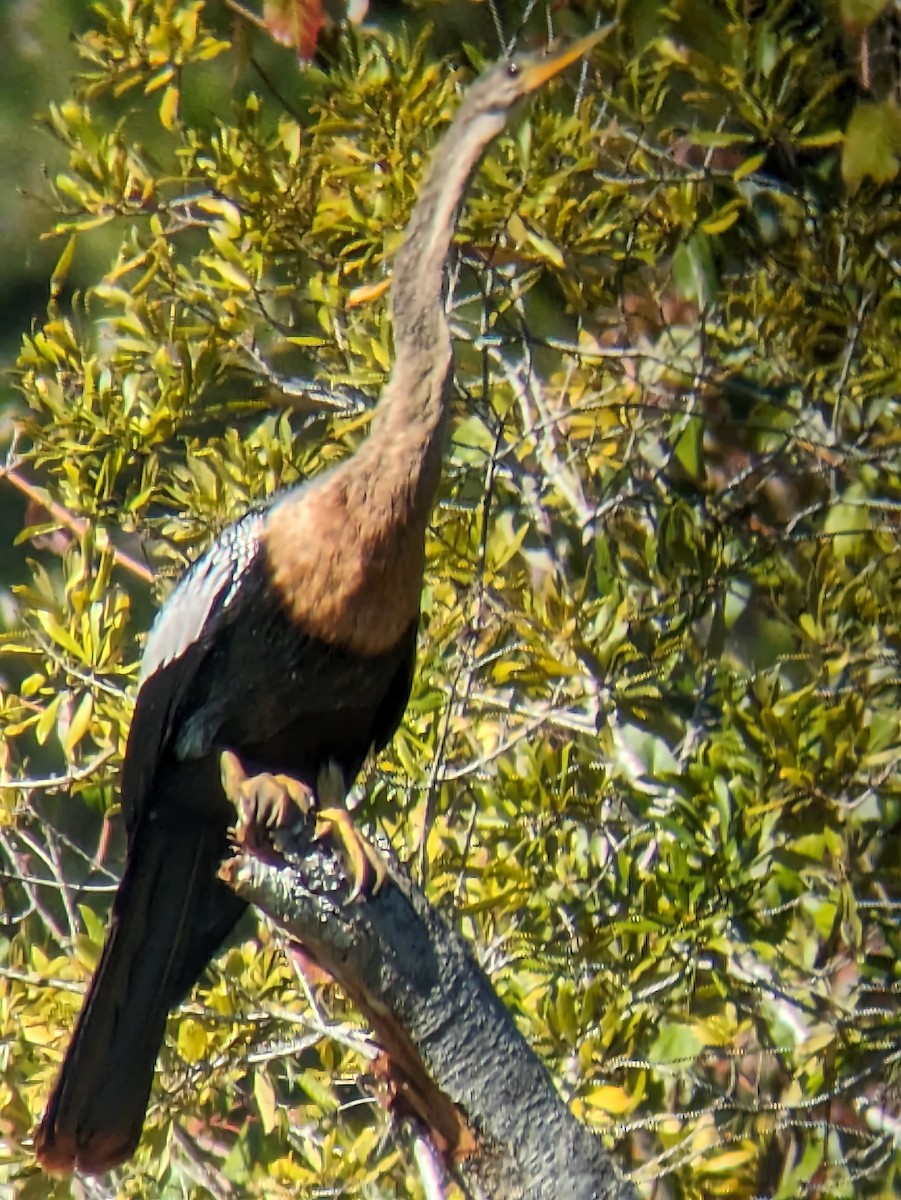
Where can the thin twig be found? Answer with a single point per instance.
(54, 783)
(77, 526)
(430, 1174)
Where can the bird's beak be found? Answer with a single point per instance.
(558, 59)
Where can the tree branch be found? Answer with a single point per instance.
(453, 1053)
(75, 525)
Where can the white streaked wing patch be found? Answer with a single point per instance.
(210, 585)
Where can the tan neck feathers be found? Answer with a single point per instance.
(346, 559)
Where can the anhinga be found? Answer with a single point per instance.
(290, 642)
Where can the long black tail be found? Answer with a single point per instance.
(169, 916)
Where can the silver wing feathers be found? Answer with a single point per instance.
(204, 594)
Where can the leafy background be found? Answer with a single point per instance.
(650, 762)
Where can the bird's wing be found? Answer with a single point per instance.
(208, 598)
(205, 598)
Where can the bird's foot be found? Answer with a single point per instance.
(365, 865)
(267, 804)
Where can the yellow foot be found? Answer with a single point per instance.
(266, 803)
(366, 867)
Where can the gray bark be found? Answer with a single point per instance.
(465, 1068)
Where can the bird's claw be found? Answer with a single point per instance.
(366, 867)
(266, 803)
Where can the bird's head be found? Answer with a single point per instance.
(493, 94)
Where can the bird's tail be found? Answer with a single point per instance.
(169, 916)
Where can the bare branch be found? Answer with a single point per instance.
(455, 1056)
(75, 525)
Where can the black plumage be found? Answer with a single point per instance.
(226, 665)
(291, 643)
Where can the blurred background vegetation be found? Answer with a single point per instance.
(651, 760)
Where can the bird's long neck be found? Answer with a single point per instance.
(412, 411)
(354, 576)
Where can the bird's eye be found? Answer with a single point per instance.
(513, 69)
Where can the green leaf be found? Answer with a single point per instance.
(860, 14)
(264, 1094)
(872, 144)
(694, 269)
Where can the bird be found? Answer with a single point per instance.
(290, 643)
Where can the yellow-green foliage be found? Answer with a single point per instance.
(651, 754)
